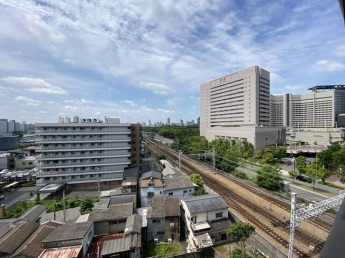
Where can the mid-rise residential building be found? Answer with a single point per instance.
(3, 126)
(87, 155)
(320, 108)
(237, 107)
(11, 126)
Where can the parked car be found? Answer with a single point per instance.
(308, 162)
(303, 179)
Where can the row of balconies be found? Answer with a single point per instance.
(83, 138)
(84, 154)
(56, 147)
(83, 130)
(66, 179)
(82, 163)
(83, 170)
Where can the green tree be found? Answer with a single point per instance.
(339, 157)
(341, 172)
(240, 232)
(197, 179)
(312, 174)
(18, 133)
(281, 152)
(293, 175)
(86, 205)
(300, 164)
(325, 157)
(258, 154)
(199, 191)
(268, 158)
(324, 174)
(269, 177)
(237, 253)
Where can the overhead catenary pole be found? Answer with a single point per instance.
(54, 209)
(179, 159)
(292, 224)
(64, 206)
(214, 158)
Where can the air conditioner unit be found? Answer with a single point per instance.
(169, 240)
(156, 240)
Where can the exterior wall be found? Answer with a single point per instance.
(25, 164)
(88, 239)
(94, 186)
(8, 143)
(180, 192)
(172, 229)
(3, 162)
(83, 152)
(260, 137)
(237, 99)
(11, 126)
(153, 228)
(313, 135)
(3, 126)
(136, 145)
(110, 227)
(145, 200)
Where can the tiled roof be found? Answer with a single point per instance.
(204, 203)
(133, 224)
(68, 232)
(33, 213)
(179, 182)
(156, 183)
(32, 247)
(117, 211)
(19, 232)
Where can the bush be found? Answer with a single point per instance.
(199, 191)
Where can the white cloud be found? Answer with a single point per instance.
(289, 87)
(173, 102)
(276, 78)
(157, 88)
(98, 113)
(71, 108)
(130, 103)
(36, 85)
(329, 66)
(50, 102)
(78, 101)
(24, 111)
(42, 112)
(340, 51)
(29, 102)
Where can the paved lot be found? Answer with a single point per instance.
(19, 194)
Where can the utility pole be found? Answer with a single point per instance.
(179, 159)
(64, 206)
(99, 189)
(54, 209)
(292, 224)
(214, 158)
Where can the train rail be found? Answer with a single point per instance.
(235, 201)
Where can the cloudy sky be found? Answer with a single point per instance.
(147, 59)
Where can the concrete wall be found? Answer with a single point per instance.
(22, 164)
(145, 200)
(320, 136)
(3, 162)
(88, 239)
(153, 228)
(180, 192)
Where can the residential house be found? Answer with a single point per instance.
(204, 219)
(151, 184)
(111, 220)
(105, 202)
(32, 247)
(12, 236)
(70, 235)
(180, 186)
(170, 171)
(130, 179)
(163, 219)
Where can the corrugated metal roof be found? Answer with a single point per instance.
(116, 246)
(203, 203)
(115, 191)
(121, 199)
(179, 182)
(131, 172)
(34, 213)
(63, 252)
(19, 232)
(114, 212)
(133, 224)
(32, 247)
(68, 232)
(104, 203)
(153, 174)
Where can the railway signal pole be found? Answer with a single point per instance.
(214, 158)
(305, 213)
(179, 159)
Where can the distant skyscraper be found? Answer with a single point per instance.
(198, 120)
(11, 126)
(149, 122)
(3, 126)
(168, 121)
(76, 119)
(181, 122)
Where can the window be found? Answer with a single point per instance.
(160, 233)
(190, 191)
(219, 215)
(156, 221)
(171, 193)
(193, 219)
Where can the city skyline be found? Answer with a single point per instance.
(64, 63)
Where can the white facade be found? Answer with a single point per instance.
(11, 126)
(113, 120)
(320, 136)
(181, 193)
(76, 153)
(3, 126)
(147, 193)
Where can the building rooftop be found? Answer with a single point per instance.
(164, 206)
(62, 252)
(68, 232)
(116, 246)
(171, 172)
(153, 174)
(112, 192)
(203, 203)
(121, 199)
(131, 172)
(32, 247)
(133, 224)
(327, 87)
(179, 182)
(19, 232)
(96, 245)
(154, 183)
(117, 211)
(33, 213)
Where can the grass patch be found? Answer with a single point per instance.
(331, 185)
(20, 209)
(312, 190)
(161, 250)
(27, 184)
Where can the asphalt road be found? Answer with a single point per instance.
(20, 194)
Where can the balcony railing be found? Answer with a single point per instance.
(66, 179)
(78, 130)
(82, 163)
(83, 146)
(83, 155)
(115, 168)
(94, 139)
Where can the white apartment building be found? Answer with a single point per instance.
(317, 109)
(237, 106)
(83, 154)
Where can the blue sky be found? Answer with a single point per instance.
(147, 59)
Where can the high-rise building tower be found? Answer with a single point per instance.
(168, 121)
(150, 123)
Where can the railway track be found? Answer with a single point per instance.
(235, 200)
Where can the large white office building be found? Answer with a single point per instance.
(237, 106)
(83, 154)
